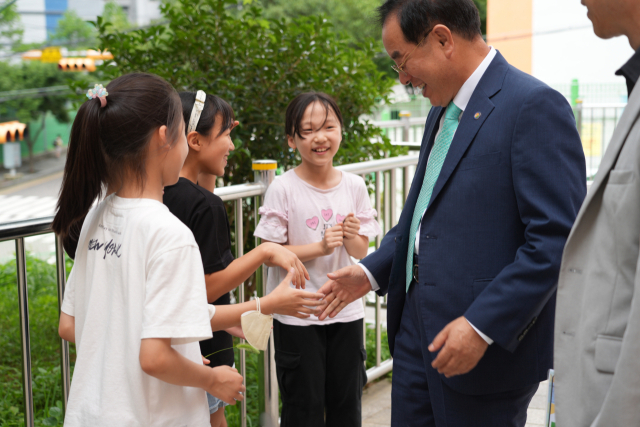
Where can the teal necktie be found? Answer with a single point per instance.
(434, 165)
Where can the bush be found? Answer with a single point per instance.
(258, 65)
(45, 345)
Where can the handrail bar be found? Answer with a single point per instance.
(25, 228)
(240, 191)
(380, 165)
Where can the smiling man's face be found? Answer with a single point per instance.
(428, 67)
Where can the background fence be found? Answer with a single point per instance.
(391, 178)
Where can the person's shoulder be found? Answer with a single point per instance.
(353, 180)
(165, 231)
(526, 85)
(184, 189)
(282, 182)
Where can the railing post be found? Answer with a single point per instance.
(239, 253)
(264, 171)
(65, 370)
(23, 297)
(406, 125)
(378, 307)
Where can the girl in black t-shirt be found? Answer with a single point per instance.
(209, 121)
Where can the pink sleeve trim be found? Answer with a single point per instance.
(368, 225)
(268, 212)
(271, 230)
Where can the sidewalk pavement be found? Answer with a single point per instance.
(44, 165)
(376, 405)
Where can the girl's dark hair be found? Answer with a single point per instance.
(213, 105)
(416, 17)
(297, 107)
(110, 143)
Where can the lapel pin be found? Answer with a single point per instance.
(477, 116)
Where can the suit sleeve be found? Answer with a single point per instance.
(622, 400)
(549, 181)
(379, 263)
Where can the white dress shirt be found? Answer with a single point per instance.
(461, 100)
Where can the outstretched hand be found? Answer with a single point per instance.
(345, 286)
(292, 302)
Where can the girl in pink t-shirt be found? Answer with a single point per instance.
(324, 216)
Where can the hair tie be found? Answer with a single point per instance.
(198, 106)
(98, 92)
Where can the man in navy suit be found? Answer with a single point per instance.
(471, 268)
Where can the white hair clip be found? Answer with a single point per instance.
(198, 106)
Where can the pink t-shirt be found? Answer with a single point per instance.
(297, 213)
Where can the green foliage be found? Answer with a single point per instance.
(29, 75)
(115, 15)
(371, 347)
(45, 344)
(11, 30)
(258, 65)
(73, 31)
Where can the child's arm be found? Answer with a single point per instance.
(67, 327)
(355, 244)
(333, 238)
(160, 360)
(282, 300)
(223, 281)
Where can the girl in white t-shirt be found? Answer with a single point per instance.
(135, 302)
(324, 216)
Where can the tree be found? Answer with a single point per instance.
(258, 65)
(30, 75)
(73, 31)
(115, 15)
(11, 30)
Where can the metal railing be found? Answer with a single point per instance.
(388, 200)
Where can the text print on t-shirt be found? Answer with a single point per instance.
(110, 248)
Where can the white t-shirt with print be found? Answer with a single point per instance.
(297, 213)
(137, 274)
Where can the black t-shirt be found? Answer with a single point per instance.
(205, 215)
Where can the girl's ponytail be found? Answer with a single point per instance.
(108, 144)
(85, 172)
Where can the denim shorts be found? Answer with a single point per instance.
(215, 403)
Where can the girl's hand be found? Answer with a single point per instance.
(332, 239)
(283, 257)
(205, 361)
(351, 226)
(226, 384)
(236, 331)
(292, 302)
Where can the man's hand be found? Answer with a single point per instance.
(463, 348)
(350, 227)
(346, 285)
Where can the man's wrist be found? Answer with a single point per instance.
(372, 280)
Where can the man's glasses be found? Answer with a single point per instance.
(400, 68)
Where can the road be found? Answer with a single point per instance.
(32, 199)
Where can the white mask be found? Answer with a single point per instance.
(257, 327)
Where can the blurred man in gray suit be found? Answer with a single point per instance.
(597, 332)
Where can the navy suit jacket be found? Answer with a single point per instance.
(492, 237)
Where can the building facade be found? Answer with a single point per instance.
(554, 41)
